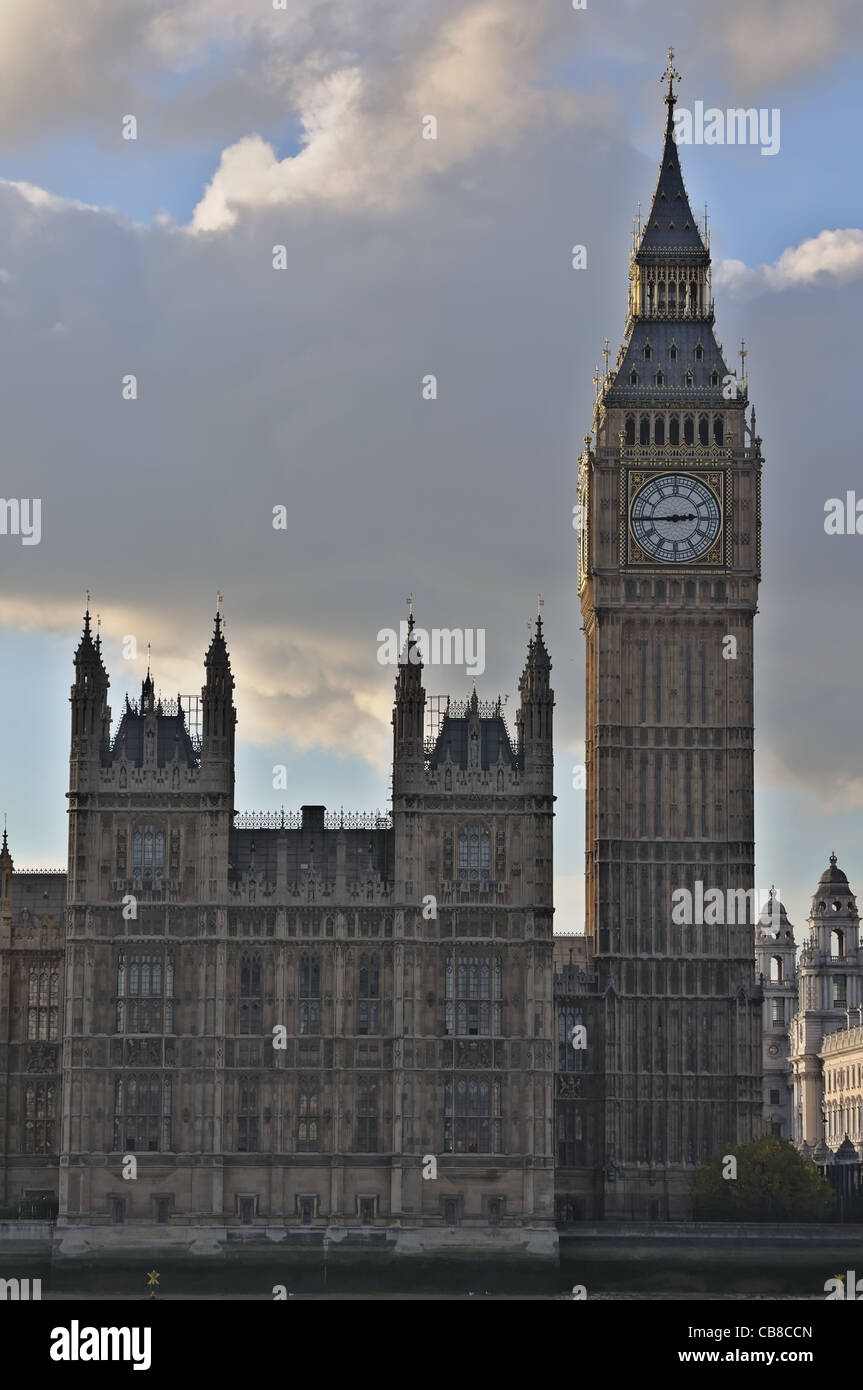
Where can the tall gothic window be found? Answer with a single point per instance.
(674, 430)
(142, 1114)
(569, 1058)
(250, 995)
(472, 1115)
(148, 852)
(629, 437)
(247, 1116)
(368, 995)
(308, 1101)
(310, 994)
(145, 990)
(43, 1003)
(570, 1136)
(367, 1116)
(472, 994)
(39, 1117)
(474, 856)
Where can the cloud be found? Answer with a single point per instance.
(830, 257)
(362, 135)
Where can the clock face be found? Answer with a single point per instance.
(675, 518)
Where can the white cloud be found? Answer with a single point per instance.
(835, 256)
(362, 128)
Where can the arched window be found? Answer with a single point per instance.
(647, 352)
(718, 429)
(689, 379)
(310, 994)
(472, 1115)
(474, 856)
(672, 353)
(247, 1116)
(630, 429)
(39, 1117)
(145, 993)
(672, 297)
(368, 994)
(703, 436)
(693, 297)
(308, 1104)
(661, 300)
(148, 852)
(837, 942)
(644, 430)
(688, 430)
(776, 969)
(250, 995)
(472, 988)
(659, 429)
(714, 378)
(42, 1003)
(142, 1114)
(660, 379)
(674, 430)
(569, 1023)
(633, 377)
(366, 1131)
(699, 353)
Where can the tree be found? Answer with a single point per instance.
(773, 1182)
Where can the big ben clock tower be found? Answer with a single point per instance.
(669, 564)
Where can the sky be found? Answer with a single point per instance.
(302, 388)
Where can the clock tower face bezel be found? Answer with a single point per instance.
(634, 549)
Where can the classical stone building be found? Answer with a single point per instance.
(825, 1052)
(311, 1021)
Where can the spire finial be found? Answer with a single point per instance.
(148, 660)
(832, 857)
(410, 603)
(670, 74)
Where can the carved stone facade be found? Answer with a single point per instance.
(283, 1022)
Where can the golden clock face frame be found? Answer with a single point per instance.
(649, 509)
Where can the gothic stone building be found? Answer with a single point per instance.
(313, 1021)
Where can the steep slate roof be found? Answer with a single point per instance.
(452, 741)
(172, 739)
(686, 335)
(671, 228)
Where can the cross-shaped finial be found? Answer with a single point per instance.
(218, 602)
(744, 353)
(148, 658)
(410, 603)
(606, 352)
(670, 73)
(596, 380)
(540, 604)
(529, 626)
(88, 597)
